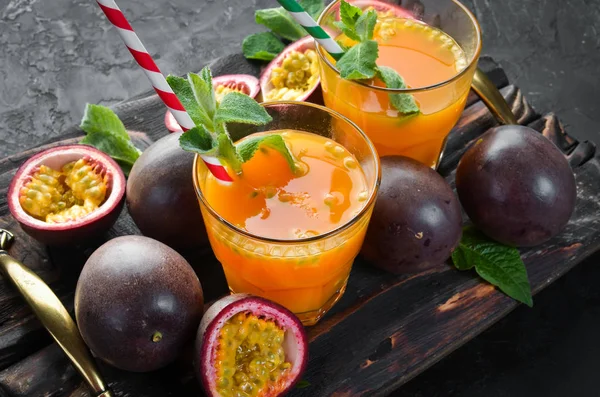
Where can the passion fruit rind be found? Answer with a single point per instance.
(265, 348)
(55, 208)
(293, 75)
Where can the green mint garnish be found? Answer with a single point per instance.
(496, 263)
(248, 147)
(236, 107)
(263, 46)
(184, 92)
(105, 131)
(404, 103)
(313, 7)
(280, 22)
(359, 62)
(210, 136)
(266, 46)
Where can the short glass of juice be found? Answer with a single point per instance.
(434, 45)
(291, 234)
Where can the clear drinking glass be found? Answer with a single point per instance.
(441, 102)
(308, 275)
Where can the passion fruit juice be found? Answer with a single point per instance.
(424, 56)
(286, 250)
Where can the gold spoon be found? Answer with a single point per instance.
(53, 315)
(493, 99)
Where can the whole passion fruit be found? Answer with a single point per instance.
(249, 346)
(161, 198)
(293, 75)
(137, 303)
(67, 194)
(516, 186)
(416, 221)
(244, 83)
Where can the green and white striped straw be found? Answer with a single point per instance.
(312, 27)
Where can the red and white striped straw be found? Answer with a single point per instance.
(158, 81)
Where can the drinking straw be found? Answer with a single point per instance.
(159, 83)
(312, 27)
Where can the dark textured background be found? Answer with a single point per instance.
(55, 55)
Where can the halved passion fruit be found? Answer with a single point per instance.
(293, 75)
(67, 194)
(244, 83)
(249, 346)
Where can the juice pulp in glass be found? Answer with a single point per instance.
(423, 56)
(268, 200)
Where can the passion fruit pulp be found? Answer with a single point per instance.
(251, 347)
(244, 83)
(67, 194)
(293, 75)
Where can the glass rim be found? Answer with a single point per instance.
(368, 204)
(321, 50)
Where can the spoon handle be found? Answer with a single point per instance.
(493, 99)
(53, 315)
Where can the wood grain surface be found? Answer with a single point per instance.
(384, 331)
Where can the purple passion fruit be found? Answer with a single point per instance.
(244, 83)
(67, 194)
(249, 346)
(516, 186)
(161, 197)
(416, 221)
(293, 75)
(137, 303)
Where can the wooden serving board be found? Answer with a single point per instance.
(384, 331)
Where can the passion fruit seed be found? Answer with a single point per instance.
(298, 73)
(250, 358)
(61, 196)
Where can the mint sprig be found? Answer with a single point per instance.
(267, 45)
(105, 131)
(359, 62)
(210, 136)
(498, 264)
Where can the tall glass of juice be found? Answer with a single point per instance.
(434, 45)
(288, 229)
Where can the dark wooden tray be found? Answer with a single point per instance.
(384, 331)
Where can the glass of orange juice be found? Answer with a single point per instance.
(434, 45)
(290, 234)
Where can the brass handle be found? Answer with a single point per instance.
(52, 314)
(493, 99)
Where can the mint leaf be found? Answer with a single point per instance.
(98, 118)
(236, 107)
(122, 150)
(280, 22)
(498, 264)
(313, 7)
(349, 14)
(359, 61)
(204, 93)
(349, 32)
(198, 140)
(365, 25)
(404, 103)
(263, 46)
(227, 151)
(184, 92)
(249, 146)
